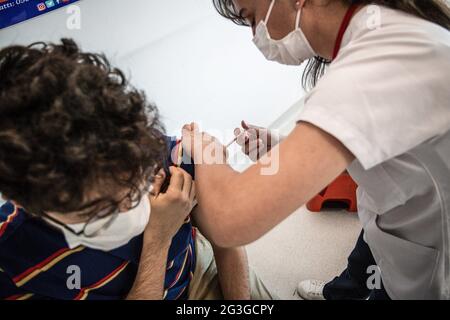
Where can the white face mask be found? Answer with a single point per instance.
(293, 49)
(118, 233)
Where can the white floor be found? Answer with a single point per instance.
(306, 246)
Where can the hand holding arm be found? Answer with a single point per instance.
(169, 211)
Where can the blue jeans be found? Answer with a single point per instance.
(352, 283)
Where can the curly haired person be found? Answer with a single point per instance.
(83, 158)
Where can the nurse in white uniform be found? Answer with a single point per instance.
(381, 111)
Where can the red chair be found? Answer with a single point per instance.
(342, 191)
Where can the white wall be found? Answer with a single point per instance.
(194, 64)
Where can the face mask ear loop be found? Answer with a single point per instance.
(297, 20)
(269, 12)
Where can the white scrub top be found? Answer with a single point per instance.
(386, 97)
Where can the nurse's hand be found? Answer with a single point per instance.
(202, 147)
(256, 141)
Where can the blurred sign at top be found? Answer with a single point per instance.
(16, 11)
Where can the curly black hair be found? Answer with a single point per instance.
(70, 123)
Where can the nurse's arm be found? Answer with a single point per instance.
(239, 208)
